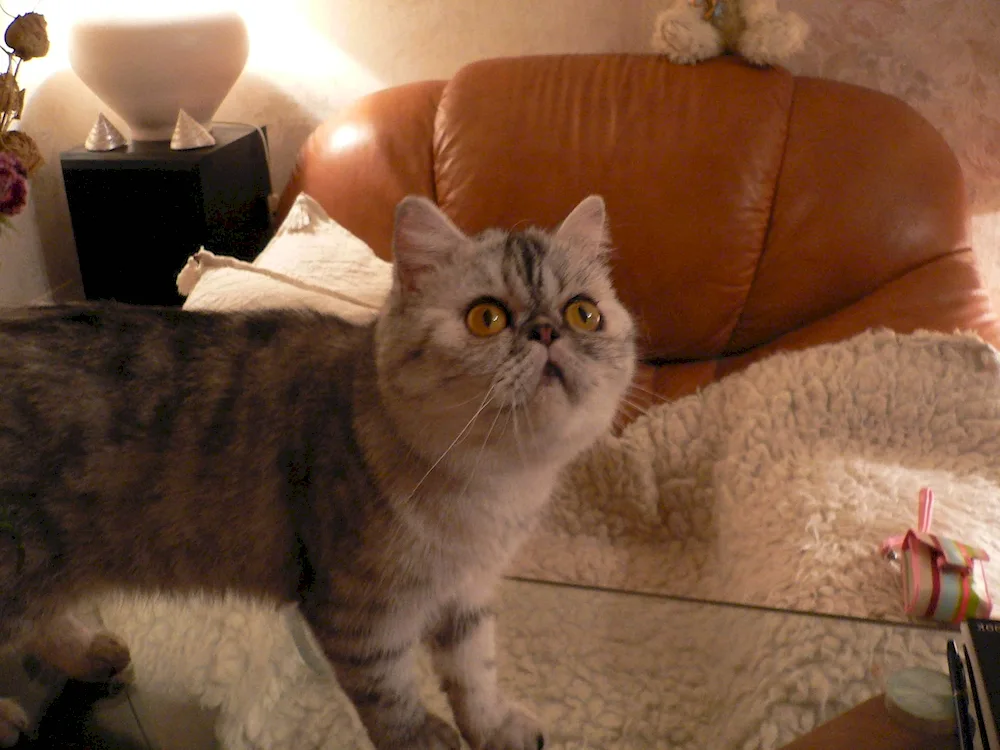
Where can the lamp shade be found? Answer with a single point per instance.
(147, 69)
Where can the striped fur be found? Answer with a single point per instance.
(381, 476)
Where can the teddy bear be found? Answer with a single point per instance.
(693, 30)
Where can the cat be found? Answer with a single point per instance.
(381, 475)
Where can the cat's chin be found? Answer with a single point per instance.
(559, 428)
(552, 381)
(552, 376)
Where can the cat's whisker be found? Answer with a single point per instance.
(631, 401)
(527, 411)
(657, 396)
(517, 434)
(635, 406)
(529, 429)
(482, 448)
(487, 399)
(507, 422)
(462, 403)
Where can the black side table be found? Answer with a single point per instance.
(138, 213)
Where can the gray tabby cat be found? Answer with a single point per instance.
(381, 476)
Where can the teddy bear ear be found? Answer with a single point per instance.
(771, 37)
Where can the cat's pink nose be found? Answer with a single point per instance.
(545, 333)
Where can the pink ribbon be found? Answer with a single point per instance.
(925, 512)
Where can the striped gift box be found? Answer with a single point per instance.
(942, 579)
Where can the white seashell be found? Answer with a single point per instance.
(189, 133)
(104, 136)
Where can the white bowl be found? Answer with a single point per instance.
(146, 70)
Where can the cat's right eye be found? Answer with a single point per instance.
(486, 318)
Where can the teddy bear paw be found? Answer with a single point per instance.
(684, 36)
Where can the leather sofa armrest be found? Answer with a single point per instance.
(945, 294)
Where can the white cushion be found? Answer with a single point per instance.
(311, 262)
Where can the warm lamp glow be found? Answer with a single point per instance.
(348, 135)
(130, 10)
(284, 46)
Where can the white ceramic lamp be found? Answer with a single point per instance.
(148, 69)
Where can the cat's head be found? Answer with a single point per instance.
(505, 345)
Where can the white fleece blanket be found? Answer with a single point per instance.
(776, 485)
(773, 487)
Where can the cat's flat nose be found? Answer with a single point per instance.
(543, 332)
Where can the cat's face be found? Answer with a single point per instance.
(504, 346)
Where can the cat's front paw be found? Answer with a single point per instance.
(433, 734)
(518, 731)
(13, 721)
(82, 653)
(107, 656)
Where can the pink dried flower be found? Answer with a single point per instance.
(13, 185)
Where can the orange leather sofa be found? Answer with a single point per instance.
(752, 210)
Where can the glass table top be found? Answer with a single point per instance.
(605, 669)
(601, 669)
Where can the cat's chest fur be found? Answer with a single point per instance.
(467, 509)
(458, 527)
(478, 526)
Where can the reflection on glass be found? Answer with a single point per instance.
(615, 670)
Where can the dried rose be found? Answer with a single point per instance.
(11, 98)
(27, 36)
(22, 146)
(13, 185)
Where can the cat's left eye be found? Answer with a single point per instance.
(487, 318)
(582, 315)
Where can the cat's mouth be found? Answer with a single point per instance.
(552, 374)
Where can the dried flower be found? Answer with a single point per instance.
(27, 36)
(13, 185)
(11, 97)
(22, 146)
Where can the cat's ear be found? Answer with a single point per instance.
(586, 226)
(423, 239)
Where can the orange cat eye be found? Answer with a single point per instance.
(486, 318)
(582, 315)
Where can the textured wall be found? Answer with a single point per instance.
(941, 56)
(311, 56)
